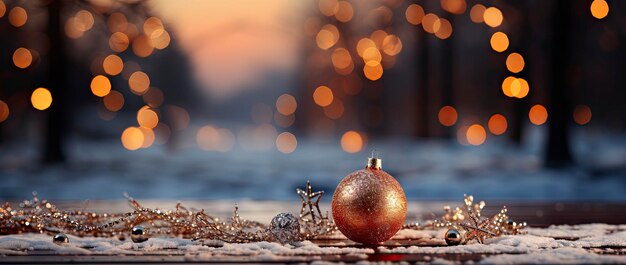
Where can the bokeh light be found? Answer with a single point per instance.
(100, 86)
(497, 124)
(343, 11)
(327, 37)
(328, 7)
(476, 135)
(148, 136)
(414, 14)
(117, 22)
(334, 110)
(352, 142)
(447, 116)
(373, 70)
(160, 39)
(599, 9)
(41, 98)
(515, 62)
(113, 64)
(142, 46)
(456, 7)
(119, 42)
(477, 13)
(132, 138)
(3, 8)
(114, 101)
(445, 29)
(499, 41)
(4, 111)
(582, 114)
(538, 114)
(323, 96)
(286, 104)
(431, 23)
(341, 58)
(154, 97)
(22, 58)
(147, 117)
(286, 142)
(208, 138)
(392, 45)
(18, 16)
(139, 82)
(493, 17)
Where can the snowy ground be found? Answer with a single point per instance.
(599, 244)
(428, 170)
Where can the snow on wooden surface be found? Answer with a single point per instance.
(595, 243)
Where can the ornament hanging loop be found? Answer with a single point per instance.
(373, 162)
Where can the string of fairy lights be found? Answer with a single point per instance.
(143, 35)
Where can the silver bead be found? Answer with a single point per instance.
(285, 228)
(453, 237)
(138, 234)
(60, 238)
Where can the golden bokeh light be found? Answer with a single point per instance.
(506, 86)
(132, 138)
(286, 142)
(344, 11)
(372, 54)
(113, 64)
(431, 23)
(461, 135)
(18, 16)
(378, 36)
(516, 86)
(582, 114)
(152, 24)
(41, 98)
(524, 88)
(373, 70)
(208, 138)
(139, 82)
(334, 110)
(327, 37)
(341, 58)
(414, 14)
(476, 135)
(364, 44)
(142, 46)
(497, 124)
(100, 86)
(154, 97)
(538, 114)
(599, 9)
(286, 104)
(444, 30)
(119, 42)
(456, 7)
(4, 111)
(114, 101)
(323, 96)
(148, 137)
(73, 28)
(515, 62)
(477, 13)
(493, 17)
(160, 39)
(328, 7)
(147, 117)
(352, 142)
(117, 22)
(447, 116)
(22, 58)
(499, 41)
(392, 45)
(84, 20)
(3, 8)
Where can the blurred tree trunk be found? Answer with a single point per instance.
(558, 151)
(57, 64)
(422, 115)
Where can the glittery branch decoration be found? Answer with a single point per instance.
(469, 218)
(41, 216)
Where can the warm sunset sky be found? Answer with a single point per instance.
(232, 44)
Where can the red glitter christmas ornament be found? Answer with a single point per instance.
(369, 205)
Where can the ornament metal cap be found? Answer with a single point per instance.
(374, 162)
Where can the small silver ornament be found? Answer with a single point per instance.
(453, 237)
(285, 228)
(138, 234)
(60, 238)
